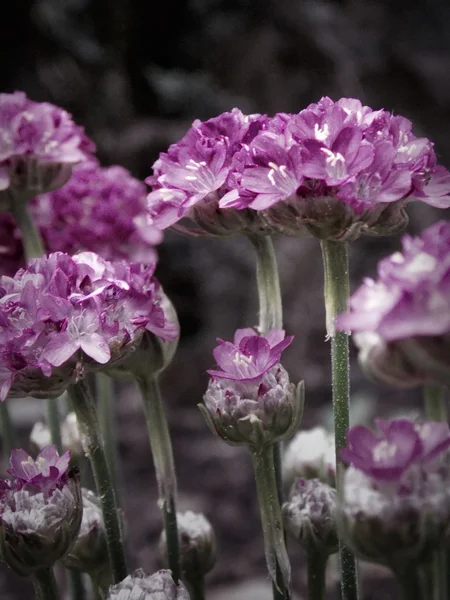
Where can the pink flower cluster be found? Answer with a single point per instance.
(295, 168)
(65, 314)
(34, 134)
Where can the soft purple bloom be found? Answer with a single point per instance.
(389, 453)
(64, 315)
(249, 356)
(35, 136)
(48, 469)
(139, 586)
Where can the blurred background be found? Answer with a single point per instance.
(135, 74)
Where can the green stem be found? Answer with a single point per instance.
(161, 445)
(270, 306)
(270, 317)
(317, 565)
(410, 584)
(77, 589)
(106, 405)
(271, 519)
(93, 447)
(336, 292)
(8, 432)
(54, 424)
(45, 585)
(31, 238)
(436, 405)
(196, 588)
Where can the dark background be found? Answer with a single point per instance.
(136, 73)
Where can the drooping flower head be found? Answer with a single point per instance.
(336, 169)
(196, 172)
(395, 506)
(139, 586)
(402, 320)
(64, 315)
(251, 401)
(40, 510)
(39, 142)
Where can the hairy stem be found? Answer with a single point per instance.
(336, 292)
(317, 564)
(45, 585)
(161, 445)
(105, 395)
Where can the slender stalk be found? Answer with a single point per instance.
(105, 396)
(271, 519)
(410, 585)
(317, 565)
(77, 589)
(161, 445)
(31, 238)
(54, 423)
(196, 588)
(336, 292)
(270, 317)
(93, 447)
(436, 409)
(45, 585)
(270, 306)
(8, 432)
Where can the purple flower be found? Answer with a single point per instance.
(336, 169)
(40, 510)
(139, 586)
(46, 471)
(390, 453)
(404, 315)
(64, 315)
(249, 356)
(38, 144)
(189, 180)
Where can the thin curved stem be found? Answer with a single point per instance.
(45, 585)
(410, 585)
(31, 239)
(105, 396)
(196, 588)
(85, 410)
(336, 292)
(54, 423)
(317, 565)
(161, 445)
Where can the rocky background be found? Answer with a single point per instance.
(136, 73)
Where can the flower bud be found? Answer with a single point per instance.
(40, 511)
(139, 586)
(197, 545)
(40, 435)
(251, 401)
(310, 455)
(89, 553)
(310, 516)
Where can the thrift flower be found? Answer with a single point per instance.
(139, 586)
(402, 320)
(251, 400)
(66, 315)
(396, 504)
(39, 143)
(40, 510)
(310, 455)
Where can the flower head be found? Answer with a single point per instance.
(251, 401)
(40, 511)
(139, 586)
(403, 318)
(64, 315)
(38, 144)
(189, 180)
(249, 356)
(396, 506)
(310, 455)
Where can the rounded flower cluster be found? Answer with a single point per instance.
(334, 170)
(250, 400)
(402, 320)
(140, 586)
(64, 315)
(40, 510)
(396, 504)
(38, 144)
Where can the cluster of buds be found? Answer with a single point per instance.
(333, 170)
(40, 510)
(139, 586)
(396, 504)
(66, 315)
(402, 320)
(251, 400)
(39, 145)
